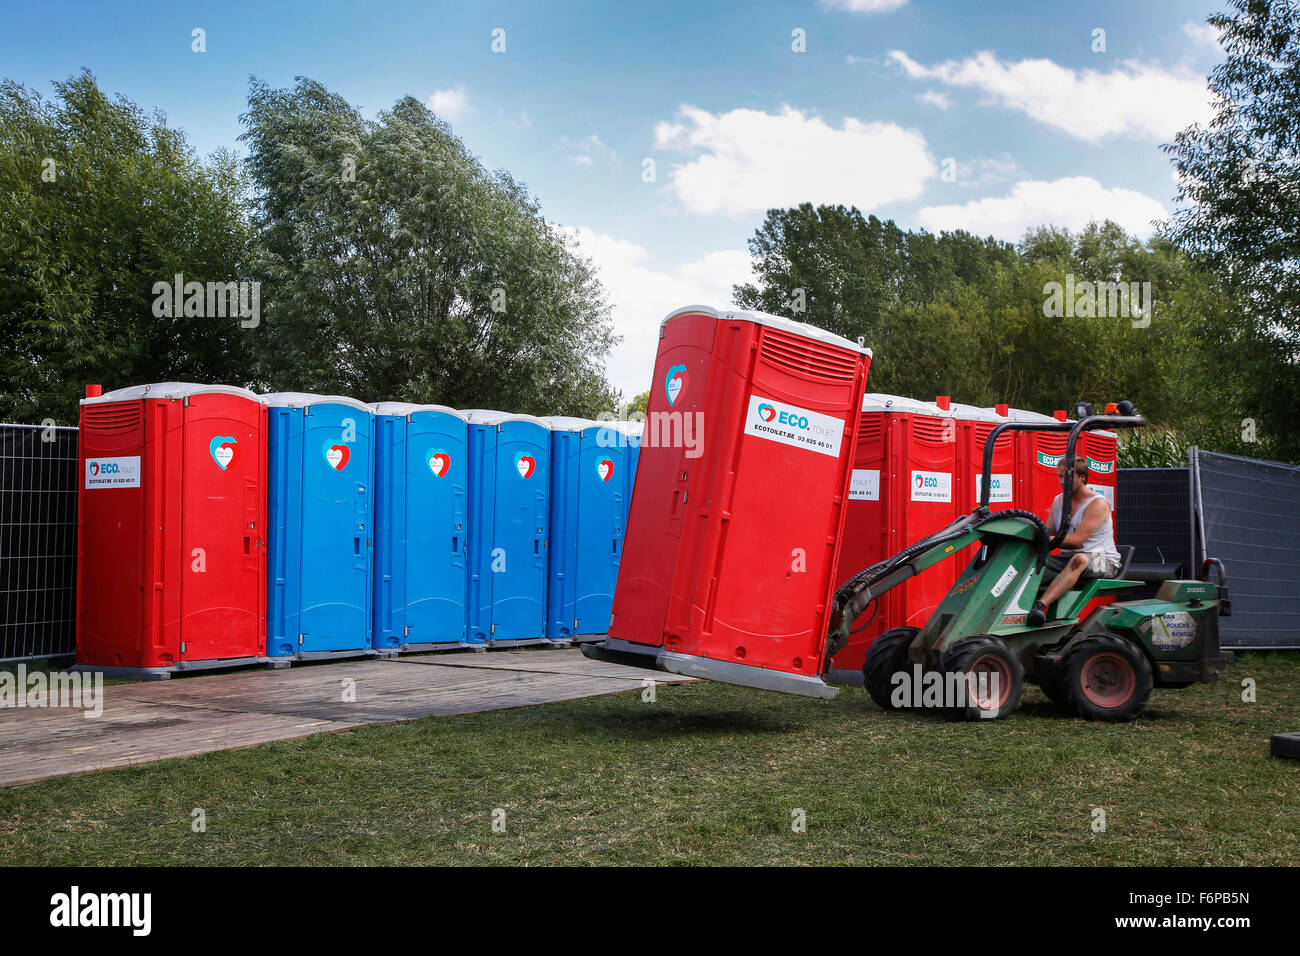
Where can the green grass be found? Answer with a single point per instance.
(709, 774)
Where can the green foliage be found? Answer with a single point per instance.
(128, 205)
(1151, 448)
(396, 267)
(640, 403)
(966, 317)
(1240, 185)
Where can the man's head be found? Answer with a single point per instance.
(1080, 473)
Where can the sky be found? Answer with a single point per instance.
(658, 134)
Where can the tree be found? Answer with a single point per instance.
(1240, 178)
(956, 315)
(397, 267)
(98, 202)
(639, 404)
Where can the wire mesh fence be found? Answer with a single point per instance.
(38, 541)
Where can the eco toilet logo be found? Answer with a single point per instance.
(791, 425)
(605, 468)
(439, 462)
(336, 454)
(675, 383)
(525, 465)
(224, 450)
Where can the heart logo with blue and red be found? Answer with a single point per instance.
(336, 454)
(525, 465)
(439, 462)
(675, 383)
(766, 412)
(224, 451)
(605, 468)
(94, 468)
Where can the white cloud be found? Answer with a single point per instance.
(589, 150)
(1202, 33)
(450, 104)
(1135, 100)
(864, 6)
(748, 161)
(1072, 202)
(641, 295)
(935, 98)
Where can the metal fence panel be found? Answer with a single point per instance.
(1250, 513)
(1153, 514)
(38, 541)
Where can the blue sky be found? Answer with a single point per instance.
(936, 113)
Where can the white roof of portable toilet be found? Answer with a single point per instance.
(488, 416)
(776, 321)
(879, 402)
(1021, 415)
(975, 413)
(306, 399)
(167, 390)
(406, 409)
(566, 423)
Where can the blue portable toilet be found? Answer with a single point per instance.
(320, 468)
(421, 513)
(590, 488)
(509, 481)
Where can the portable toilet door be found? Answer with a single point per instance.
(567, 506)
(320, 474)
(437, 485)
(171, 529)
(509, 518)
(735, 525)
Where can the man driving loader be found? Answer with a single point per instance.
(1089, 548)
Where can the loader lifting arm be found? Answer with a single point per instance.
(857, 593)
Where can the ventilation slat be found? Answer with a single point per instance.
(806, 357)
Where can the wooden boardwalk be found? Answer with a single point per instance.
(142, 722)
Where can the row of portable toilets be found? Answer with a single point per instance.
(219, 527)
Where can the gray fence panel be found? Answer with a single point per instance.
(1153, 514)
(38, 541)
(1250, 513)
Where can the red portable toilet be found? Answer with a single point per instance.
(904, 487)
(171, 519)
(1036, 457)
(1101, 448)
(733, 531)
(974, 425)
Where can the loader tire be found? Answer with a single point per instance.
(1106, 678)
(886, 656)
(983, 654)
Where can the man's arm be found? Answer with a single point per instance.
(1098, 510)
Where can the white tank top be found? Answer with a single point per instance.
(1103, 539)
